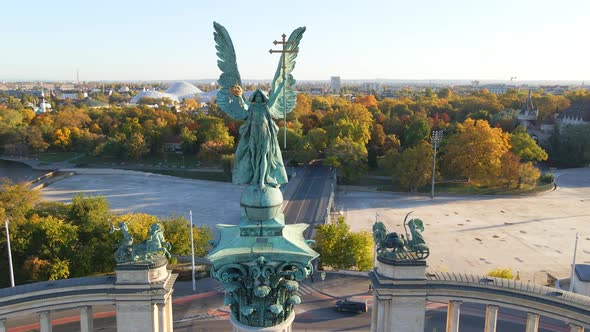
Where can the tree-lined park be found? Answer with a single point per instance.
(482, 142)
(362, 137)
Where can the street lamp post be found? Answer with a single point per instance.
(574, 265)
(9, 253)
(435, 139)
(192, 253)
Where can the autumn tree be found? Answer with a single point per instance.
(137, 146)
(62, 138)
(528, 175)
(317, 138)
(51, 242)
(16, 200)
(188, 140)
(348, 157)
(417, 131)
(212, 129)
(352, 121)
(475, 152)
(342, 249)
(413, 168)
(377, 135)
(368, 101)
(93, 251)
(525, 146)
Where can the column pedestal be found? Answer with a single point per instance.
(285, 326)
(145, 289)
(395, 307)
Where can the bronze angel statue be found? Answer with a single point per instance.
(258, 159)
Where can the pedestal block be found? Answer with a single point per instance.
(285, 326)
(395, 307)
(145, 300)
(261, 263)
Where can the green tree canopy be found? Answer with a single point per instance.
(418, 131)
(525, 146)
(342, 249)
(348, 157)
(414, 167)
(351, 121)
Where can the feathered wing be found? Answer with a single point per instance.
(276, 102)
(235, 107)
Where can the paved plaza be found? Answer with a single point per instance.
(475, 234)
(161, 195)
(471, 234)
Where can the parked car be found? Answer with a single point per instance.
(351, 306)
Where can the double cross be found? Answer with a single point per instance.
(283, 52)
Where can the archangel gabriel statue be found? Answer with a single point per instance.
(258, 159)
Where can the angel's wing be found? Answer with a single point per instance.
(276, 103)
(235, 107)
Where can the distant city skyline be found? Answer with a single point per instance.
(173, 40)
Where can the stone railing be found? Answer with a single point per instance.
(536, 300)
(401, 292)
(132, 291)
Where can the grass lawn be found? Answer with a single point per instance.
(458, 188)
(209, 176)
(52, 157)
(165, 160)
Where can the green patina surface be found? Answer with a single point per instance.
(399, 247)
(260, 261)
(145, 251)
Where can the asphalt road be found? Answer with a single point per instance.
(309, 203)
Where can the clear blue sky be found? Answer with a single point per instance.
(393, 39)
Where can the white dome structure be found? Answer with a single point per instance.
(208, 97)
(153, 94)
(184, 90)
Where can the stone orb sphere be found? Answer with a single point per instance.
(261, 204)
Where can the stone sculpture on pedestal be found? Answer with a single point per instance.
(142, 271)
(400, 260)
(261, 261)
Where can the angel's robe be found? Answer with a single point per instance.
(258, 159)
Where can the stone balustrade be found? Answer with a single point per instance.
(143, 299)
(401, 291)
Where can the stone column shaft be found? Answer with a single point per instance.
(532, 322)
(453, 313)
(45, 321)
(86, 321)
(491, 318)
(169, 316)
(576, 328)
(3, 325)
(381, 313)
(162, 317)
(373, 314)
